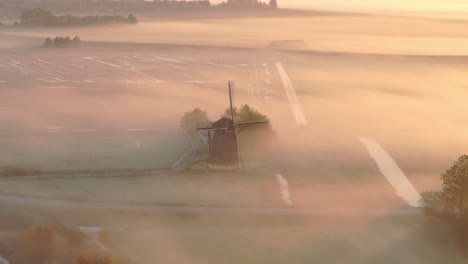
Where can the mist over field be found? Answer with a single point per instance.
(365, 112)
(341, 33)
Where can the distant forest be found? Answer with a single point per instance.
(134, 6)
(249, 4)
(41, 17)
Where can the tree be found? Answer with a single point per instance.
(191, 121)
(132, 19)
(58, 42)
(67, 42)
(451, 203)
(61, 42)
(48, 43)
(37, 16)
(76, 42)
(41, 17)
(245, 114)
(244, 4)
(455, 187)
(273, 4)
(248, 114)
(453, 199)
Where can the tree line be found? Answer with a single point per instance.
(249, 4)
(154, 6)
(62, 42)
(42, 17)
(157, 7)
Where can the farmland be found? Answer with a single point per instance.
(121, 99)
(102, 125)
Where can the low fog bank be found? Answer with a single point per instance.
(333, 32)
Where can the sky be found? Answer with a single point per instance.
(407, 5)
(385, 6)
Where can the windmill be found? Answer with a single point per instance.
(223, 138)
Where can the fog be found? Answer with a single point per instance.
(90, 136)
(360, 33)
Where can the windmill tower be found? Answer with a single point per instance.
(223, 139)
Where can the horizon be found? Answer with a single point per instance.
(450, 8)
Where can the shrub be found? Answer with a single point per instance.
(87, 259)
(39, 243)
(432, 205)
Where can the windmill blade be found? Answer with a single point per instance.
(236, 136)
(213, 129)
(231, 87)
(263, 122)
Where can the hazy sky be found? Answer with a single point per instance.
(410, 5)
(431, 6)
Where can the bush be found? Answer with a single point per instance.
(56, 243)
(87, 259)
(432, 204)
(39, 243)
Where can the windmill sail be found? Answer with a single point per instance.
(236, 134)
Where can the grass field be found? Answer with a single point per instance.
(199, 189)
(88, 151)
(145, 238)
(123, 122)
